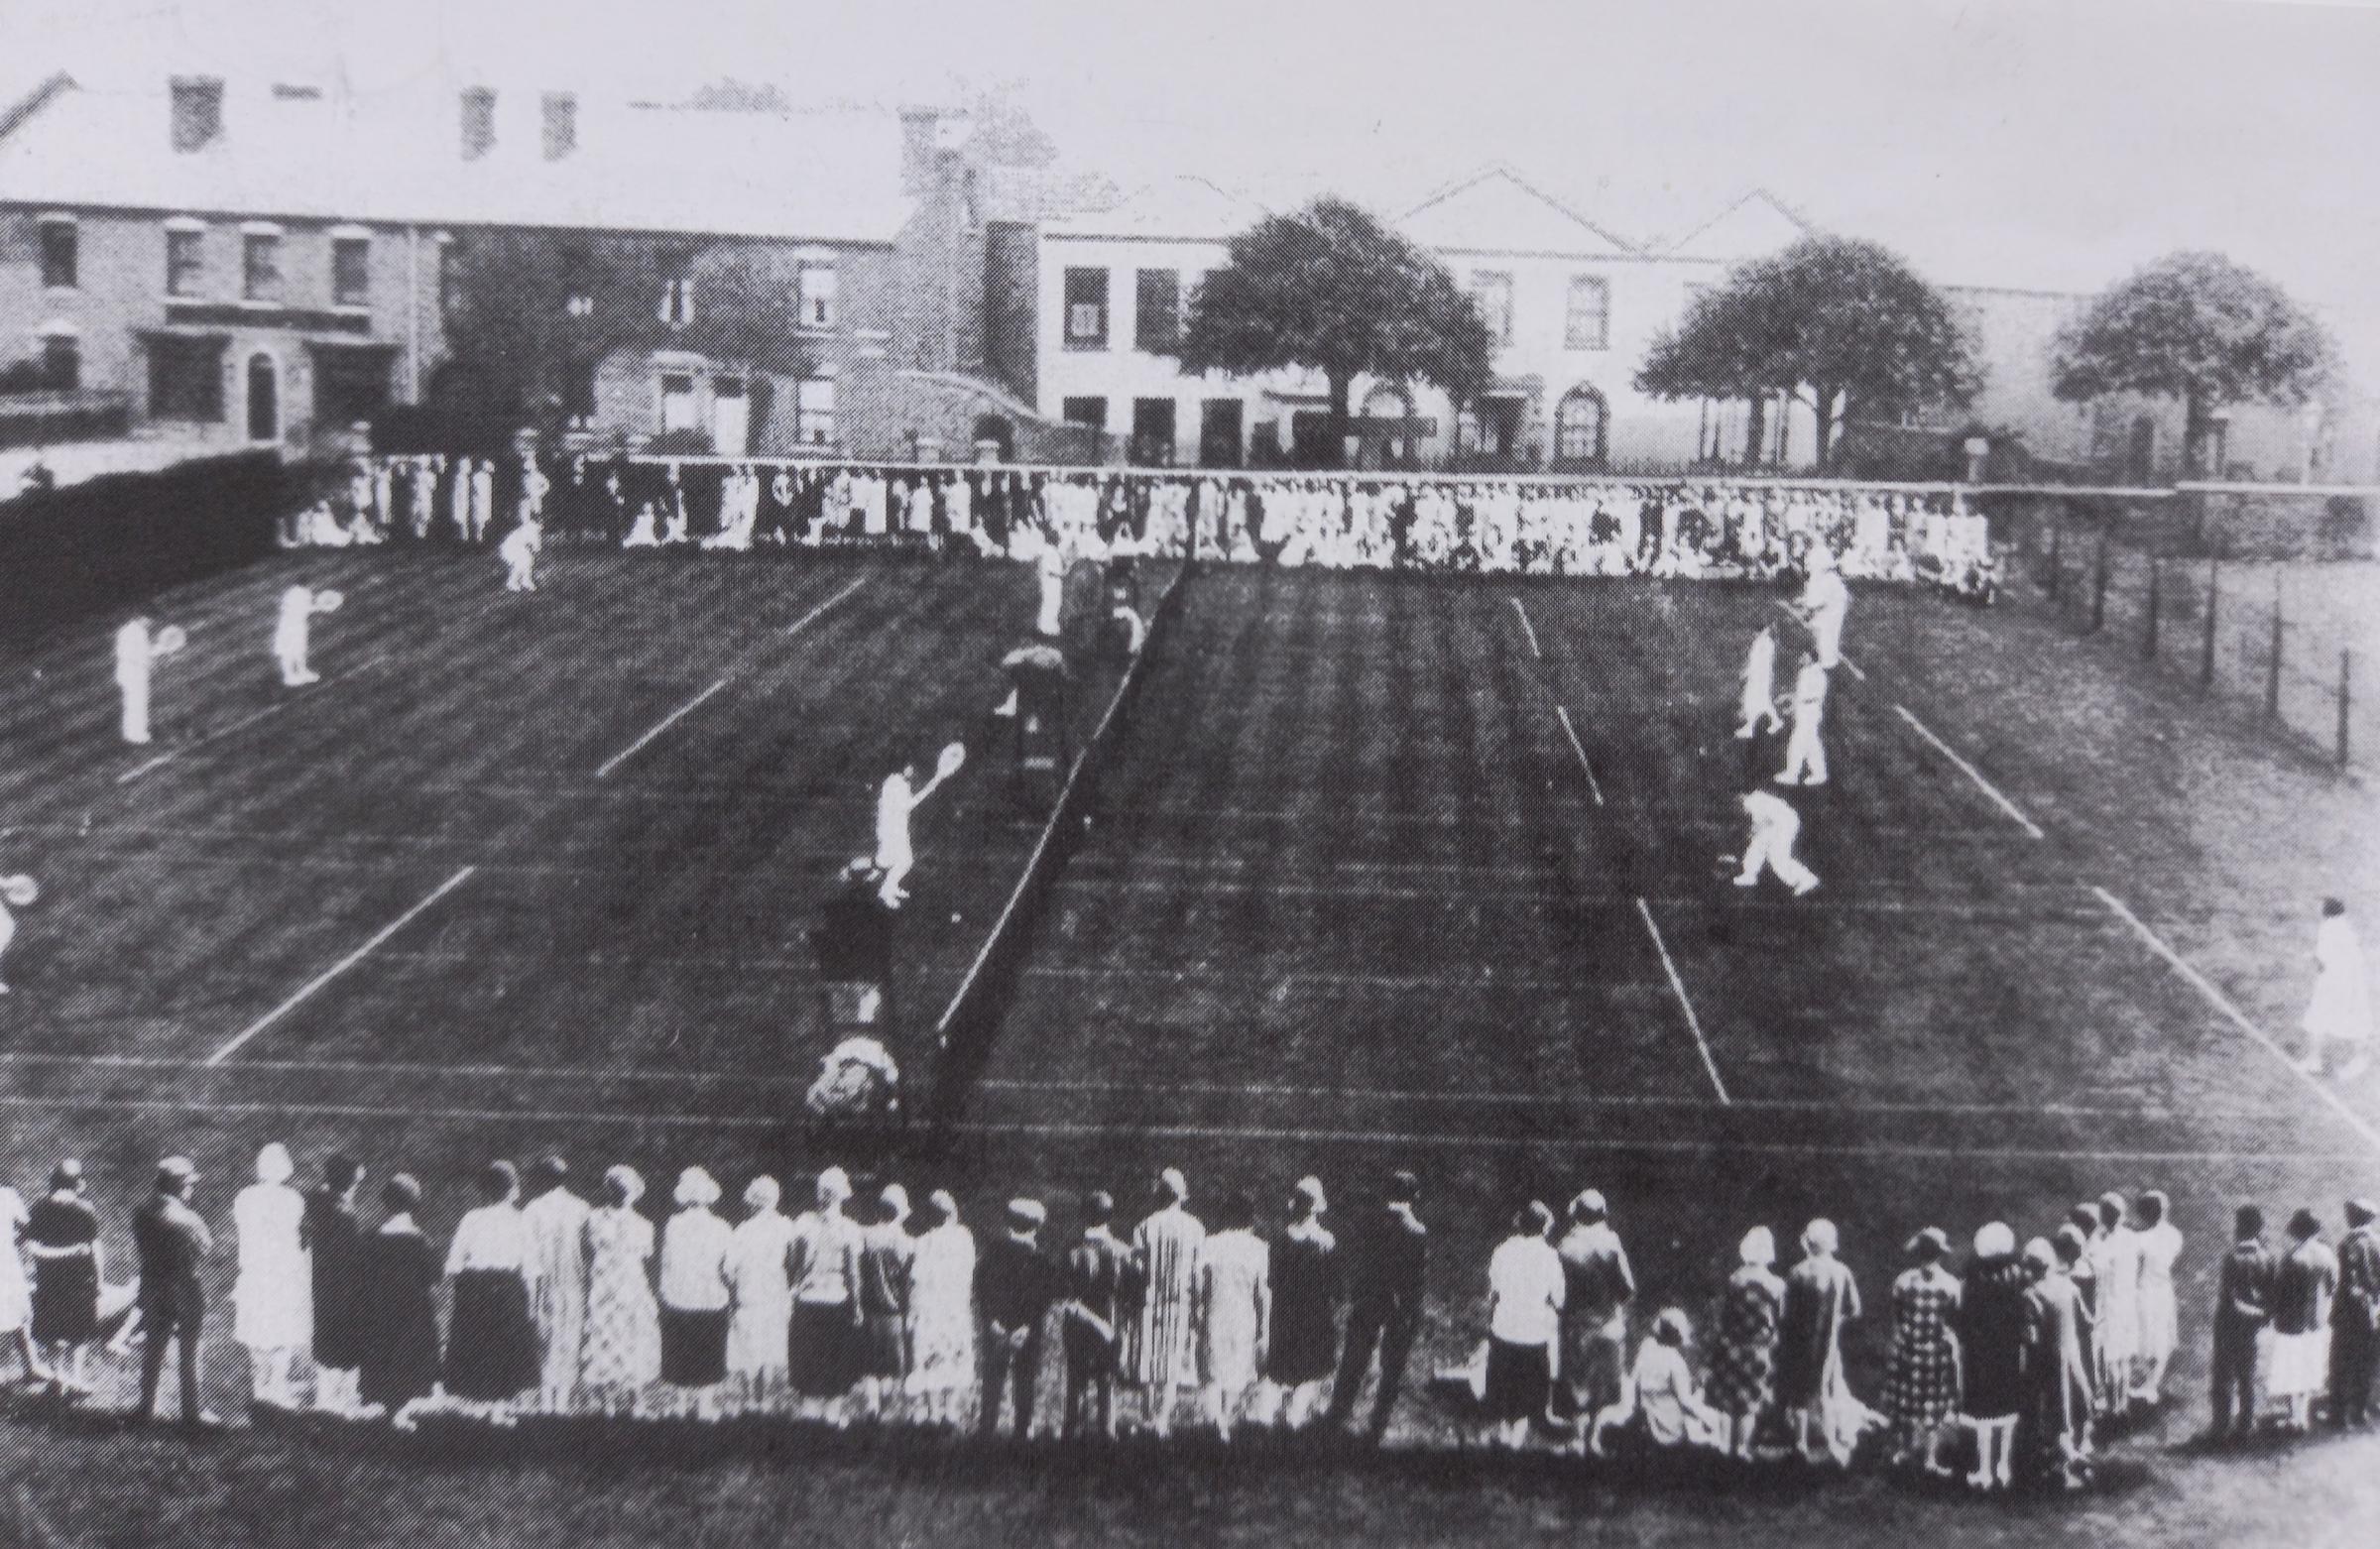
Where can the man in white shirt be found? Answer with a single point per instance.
(1775, 826)
(1805, 754)
(1824, 603)
(898, 797)
(291, 633)
(1760, 686)
(135, 654)
(1525, 1292)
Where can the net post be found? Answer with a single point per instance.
(2207, 642)
(2272, 663)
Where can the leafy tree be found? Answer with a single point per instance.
(1330, 290)
(529, 314)
(2198, 327)
(1714, 352)
(1843, 324)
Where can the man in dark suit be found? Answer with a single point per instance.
(1388, 1266)
(2243, 1306)
(172, 1243)
(1014, 1286)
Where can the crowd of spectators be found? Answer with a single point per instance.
(1673, 528)
(866, 1309)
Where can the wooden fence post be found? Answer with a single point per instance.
(2272, 663)
(2148, 637)
(2057, 553)
(2345, 703)
(2098, 588)
(2207, 644)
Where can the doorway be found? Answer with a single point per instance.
(264, 398)
(731, 416)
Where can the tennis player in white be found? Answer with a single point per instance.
(899, 797)
(136, 655)
(1775, 826)
(291, 635)
(1824, 603)
(1805, 754)
(1760, 686)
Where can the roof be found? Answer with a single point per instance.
(397, 157)
(1496, 211)
(1032, 194)
(1757, 223)
(1180, 208)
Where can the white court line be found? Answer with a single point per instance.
(665, 722)
(1983, 784)
(1597, 789)
(1234, 1134)
(1693, 1022)
(696, 703)
(232, 1046)
(811, 617)
(242, 723)
(2238, 1018)
(1528, 629)
(1575, 1099)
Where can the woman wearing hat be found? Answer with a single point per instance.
(2302, 1287)
(1660, 1397)
(16, 1297)
(61, 1240)
(491, 1345)
(1743, 1365)
(1921, 1389)
(1305, 1306)
(1821, 1297)
(273, 1302)
(396, 1307)
(942, 1311)
(2057, 1371)
(1992, 1318)
(760, 1297)
(2159, 1324)
(695, 1291)
(620, 1351)
(1235, 1307)
(886, 1247)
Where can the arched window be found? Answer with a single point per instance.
(1580, 425)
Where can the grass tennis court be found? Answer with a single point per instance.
(1383, 872)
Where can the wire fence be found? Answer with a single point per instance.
(2296, 640)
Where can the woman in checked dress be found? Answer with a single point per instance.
(1921, 1389)
(621, 1353)
(941, 1312)
(1743, 1365)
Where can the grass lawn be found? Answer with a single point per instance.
(1385, 873)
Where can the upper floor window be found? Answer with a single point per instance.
(1086, 308)
(562, 124)
(197, 112)
(816, 296)
(1158, 309)
(185, 260)
(1492, 292)
(351, 271)
(61, 253)
(814, 411)
(259, 266)
(479, 122)
(677, 300)
(1587, 324)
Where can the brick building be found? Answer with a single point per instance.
(258, 260)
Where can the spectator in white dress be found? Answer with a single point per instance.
(2159, 1332)
(1235, 1311)
(273, 1315)
(760, 1297)
(2338, 1016)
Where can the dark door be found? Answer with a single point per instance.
(263, 398)
(1219, 432)
(1152, 432)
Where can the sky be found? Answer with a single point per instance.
(2038, 144)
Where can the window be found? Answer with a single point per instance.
(1158, 309)
(677, 302)
(578, 391)
(259, 266)
(61, 363)
(185, 260)
(818, 295)
(61, 254)
(185, 379)
(286, 91)
(1086, 308)
(1493, 294)
(451, 271)
(1219, 432)
(1152, 431)
(814, 411)
(1091, 412)
(562, 124)
(479, 122)
(1579, 422)
(351, 271)
(197, 112)
(578, 291)
(1587, 324)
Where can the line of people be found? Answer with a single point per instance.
(860, 1309)
(1345, 521)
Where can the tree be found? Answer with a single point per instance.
(531, 315)
(1330, 290)
(1714, 352)
(1844, 325)
(2198, 327)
